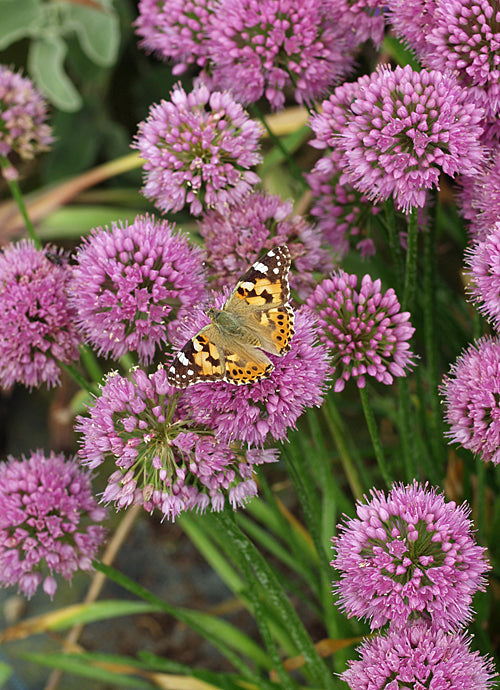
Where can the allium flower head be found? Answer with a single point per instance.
(471, 394)
(199, 148)
(402, 129)
(480, 198)
(264, 47)
(23, 112)
(266, 409)
(408, 555)
(127, 281)
(163, 460)
(343, 214)
(483, 261)
(175, 29)
(419, 657)
(413, 20)
(235, 239)
(38, 330)
(363, 17)
(365, 329)
(464, 39)
(47, 516)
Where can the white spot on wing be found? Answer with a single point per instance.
(262, 268)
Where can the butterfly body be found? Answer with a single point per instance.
(255, 319)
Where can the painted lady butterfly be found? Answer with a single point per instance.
(255, 317)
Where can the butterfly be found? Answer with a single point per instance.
(255, 319)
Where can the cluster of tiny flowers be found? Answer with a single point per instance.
(163, 461)
(471, 394)
(47, 521)
(175, 29)
(343, 214)
(267, 408)
(365, 330)
(458, 37)
(408, 555)
(483, 261)
(397, 130)
(363, 17)
(238, 237)
(480, 198)
(261, 48)
(419, 656)
(199, 148)
(38, 330)
(126, 282)
(23, 112)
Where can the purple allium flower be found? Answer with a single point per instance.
(198, 149)
(23, 112)
(419, 657)
(175, 29)
(402, 129)
(47, 512)
(269, 407)
(266, 47)
(408, 555)
(413, 20)
(127, 281)
(344, 215)
(235, 239)
(363, 17)
(366, 331)
(483, 261)
(163, 460)
(38, 330)
(480, 198)
(464, 39)
(471, 394)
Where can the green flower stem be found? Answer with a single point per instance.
(334, 423)
(394, 243)
(430, 341)
(377, 445)
(406, 422)
(411, 261)
(294, 168)
(91, 364)
(72, 371)
(271, 588)
(18, 198)
(481, 500)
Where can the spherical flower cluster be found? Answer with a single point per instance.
(199, 148)
(363, 17)
(23, 112)
(175, 29)
(163, 461)
(47, 516)
(265, 47)
(408, 555)
(402, 129)
(464, 39)
(235, 239)
(344, 215)
(483, 261)
(413, 20)
(366, 331)
(266, 409)
(38, 330)
(480, 198)
(419, 657)
(471, 394)
(126, 282)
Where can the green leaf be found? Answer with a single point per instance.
(5, 672)
(18, 19)
(46, 65)
(80, 665)
(98, 33)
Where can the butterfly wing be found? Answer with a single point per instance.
(264, 285)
